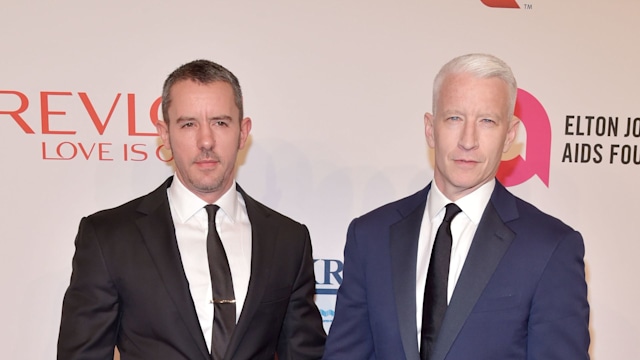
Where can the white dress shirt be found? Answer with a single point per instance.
(191, 223)
(463, 228)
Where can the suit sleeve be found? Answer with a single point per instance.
(350, 333)
(88, 328)
(559, 317)
(302, 335)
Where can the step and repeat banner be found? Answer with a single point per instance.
(337, 91)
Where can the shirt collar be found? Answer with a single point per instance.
(472, 204)
(188, 204)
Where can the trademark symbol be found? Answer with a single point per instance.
(528, 6)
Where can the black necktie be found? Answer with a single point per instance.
(224, 303)
(435, 291)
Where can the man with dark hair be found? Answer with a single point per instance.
(463, 269)
(196, 269)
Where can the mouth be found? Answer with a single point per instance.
(466, 162)
(207, 163)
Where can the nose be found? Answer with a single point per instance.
(469, 137)
(206, 138)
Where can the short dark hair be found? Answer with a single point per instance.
(203, 72)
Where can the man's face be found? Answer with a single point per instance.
(469, 132)
(204, 133)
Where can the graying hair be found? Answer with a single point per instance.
(202, 72)
(483, 66)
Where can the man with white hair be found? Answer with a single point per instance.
(463, 269)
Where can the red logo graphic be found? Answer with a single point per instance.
(53, 110)
(505, 4)
(536, 121)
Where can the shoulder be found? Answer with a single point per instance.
(517, 212)
(539, 220)
(539, 237)
(135, 208)
(258, 212)
(534, 228)
(396, 210)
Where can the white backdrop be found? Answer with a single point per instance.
(337, 91)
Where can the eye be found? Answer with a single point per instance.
(187, 124)
(220, 123)
(454, 118)
(488, 121)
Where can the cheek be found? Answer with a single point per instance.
(227, 146)
(494, 144)
(445, 144)
(181, 145)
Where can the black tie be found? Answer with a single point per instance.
(224, 303)
(435, 291)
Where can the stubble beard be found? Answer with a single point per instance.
(203, 182)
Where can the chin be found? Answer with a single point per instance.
(466, 185)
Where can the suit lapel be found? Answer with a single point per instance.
(263, 239)
(403, 248)
(158, 233)
(491, 241)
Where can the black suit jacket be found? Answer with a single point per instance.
(128, 288)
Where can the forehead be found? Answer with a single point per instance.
(467, 92)
(192, 88)
(189, 97)
(462, 83)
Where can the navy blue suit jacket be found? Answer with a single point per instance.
(521, 294)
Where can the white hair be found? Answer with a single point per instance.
(479, 65)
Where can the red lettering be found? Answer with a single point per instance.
(100, 126)
(131, 102)
(74, 151)
(153, 113)
(69, 150)
(15, 114)
(102, 151)
(45, 112)
(135, 150)
(84, 152)
(44, 153)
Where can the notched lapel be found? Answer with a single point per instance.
(263, 245)
(404, 248)
(158, 234)
(491, 241)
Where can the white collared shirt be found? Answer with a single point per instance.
(192, 224)
(463, 228)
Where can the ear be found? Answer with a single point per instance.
(245, 128)
(428, 129)
(512, 131)
(163, 130)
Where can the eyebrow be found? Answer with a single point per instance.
(221, 117)
(450, 112)
(192, 118)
